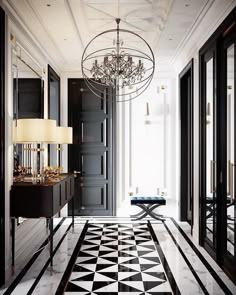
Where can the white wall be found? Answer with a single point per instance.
(146, 153)
(151, 143)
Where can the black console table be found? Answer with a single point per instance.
(41, 200)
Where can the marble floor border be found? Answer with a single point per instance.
(66, 275)
(168, 271)
(48, 261)
(203, 260)
(191, 268)
(22, 273)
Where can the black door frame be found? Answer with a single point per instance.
(229, 39)
(2, 147)
(186, 141)
(214, 47)
(203, 59)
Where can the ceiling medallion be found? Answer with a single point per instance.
(127, 65)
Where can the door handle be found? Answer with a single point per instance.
(76, 173)
(230, 179)
(212, 177)
(233, 185)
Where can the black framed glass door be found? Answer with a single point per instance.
(2, 146)
(218, 145)
(208, 152)
(229, 153)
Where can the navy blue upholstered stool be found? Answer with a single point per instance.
(147, 204)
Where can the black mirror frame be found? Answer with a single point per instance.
(53, 76)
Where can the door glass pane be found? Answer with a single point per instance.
(231, 168)
(210, 162)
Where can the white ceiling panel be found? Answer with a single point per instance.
(64, 27)
(181, 18)
(118, 2)
(56, 20)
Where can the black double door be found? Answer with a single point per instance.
(218, 148)
(91, 154)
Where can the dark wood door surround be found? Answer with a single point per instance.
(2, 146)
(186, 137)
(91, 153)
(215, 198)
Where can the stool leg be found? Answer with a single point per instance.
(147, 210)
(138, 214)
(141, 214)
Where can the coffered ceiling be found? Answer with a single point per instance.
(64, 27)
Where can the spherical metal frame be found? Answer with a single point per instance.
(93, 84)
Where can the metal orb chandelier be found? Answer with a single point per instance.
(127, 66)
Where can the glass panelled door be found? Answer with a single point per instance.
(208, 164)
(210, 197)
(230, 206)
(218, 146)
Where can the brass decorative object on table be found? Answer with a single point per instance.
(51, 173)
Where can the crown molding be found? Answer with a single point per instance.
(37, 16)
(26, 36)
(71, 15)
(190, 33)
(194, 40)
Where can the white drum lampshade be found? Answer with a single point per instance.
(64, 135)
(35, 131)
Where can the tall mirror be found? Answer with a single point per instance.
(53, 113)
(28, 90)
(27, 97)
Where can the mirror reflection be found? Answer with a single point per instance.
(210, 155)
(230, 152)
(27, 101)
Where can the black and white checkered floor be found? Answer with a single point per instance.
(118, 258)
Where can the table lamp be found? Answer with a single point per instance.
(35, 131)
(64, 135)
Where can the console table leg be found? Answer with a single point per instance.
(73, 212)
(51, 241)
(13, 241)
